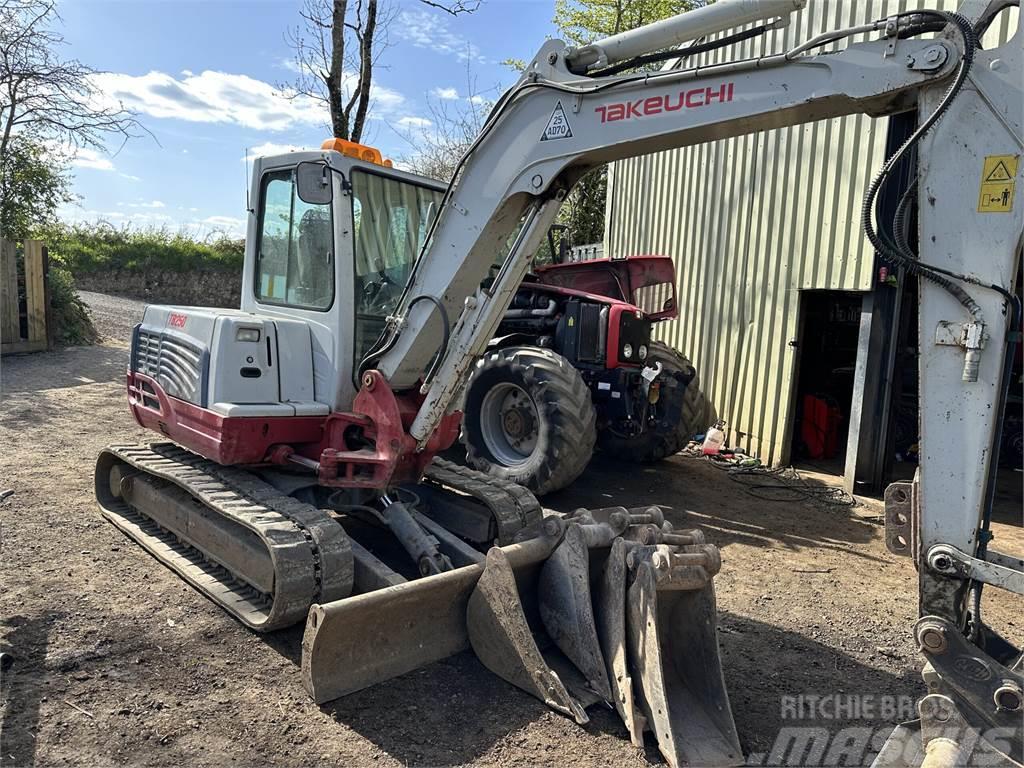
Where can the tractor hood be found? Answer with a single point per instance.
(647, 282)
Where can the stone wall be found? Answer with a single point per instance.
(198, 289)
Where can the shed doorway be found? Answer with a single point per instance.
(827, 349)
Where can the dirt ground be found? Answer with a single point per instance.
(119, 662)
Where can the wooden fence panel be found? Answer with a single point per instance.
(9, 325)
(35, 306)
(35, 291)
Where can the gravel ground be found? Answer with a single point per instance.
(113, 316)
(119, 662)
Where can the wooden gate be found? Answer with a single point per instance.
(24, 297)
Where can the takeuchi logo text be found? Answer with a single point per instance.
(656, 105)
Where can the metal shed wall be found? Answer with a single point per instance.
(752, 221)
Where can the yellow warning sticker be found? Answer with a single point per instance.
(998, 184)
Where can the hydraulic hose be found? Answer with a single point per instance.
(446, 334)
(896, 255)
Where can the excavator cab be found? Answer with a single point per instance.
(336, 233)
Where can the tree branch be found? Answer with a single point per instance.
(456, 8)
(52, 99)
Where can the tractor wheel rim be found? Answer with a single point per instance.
(509, 424)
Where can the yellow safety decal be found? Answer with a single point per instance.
(998, 184)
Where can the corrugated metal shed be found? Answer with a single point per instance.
(751, 222)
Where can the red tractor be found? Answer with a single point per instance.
(573, 368)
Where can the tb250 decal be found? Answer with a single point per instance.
(656, 105)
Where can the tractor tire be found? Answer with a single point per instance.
(528, 418)
(655, 444)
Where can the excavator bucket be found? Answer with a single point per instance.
(501, 638)
(567, 610)
(637, 619)
(359, 641)
(605, 606)
(611, 629)
(678, 675)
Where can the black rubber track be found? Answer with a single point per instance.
(567, 429)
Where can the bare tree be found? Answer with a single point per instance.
(44, 95)
(336, 48)
(438, 147)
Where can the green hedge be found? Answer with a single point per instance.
(72, 321)
(85, 248)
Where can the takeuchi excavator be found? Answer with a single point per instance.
(298, 478)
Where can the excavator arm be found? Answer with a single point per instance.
(555, 125)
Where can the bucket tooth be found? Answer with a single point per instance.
(501, 638)
(673, 654)
(566, 608)
(611, 629)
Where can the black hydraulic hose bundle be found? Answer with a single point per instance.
(894, 254)
(682, 53)
(446, 335)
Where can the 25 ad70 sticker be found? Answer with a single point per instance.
(558, 126)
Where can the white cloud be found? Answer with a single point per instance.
(195, 227)
(129, 177)
(424, 29)
(290, 64)
(84, 157)
(210, 97)
(448, 94)
(270, 148)
(223, 97)
(415, 122)
(228, 225)
(151, 204)
(138, 219)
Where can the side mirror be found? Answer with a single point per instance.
(313, 183)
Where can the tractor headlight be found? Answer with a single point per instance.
(642, 352)
(627, 351)
(247, 334)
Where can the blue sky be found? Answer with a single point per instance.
(202, 77)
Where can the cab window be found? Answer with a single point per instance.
(295, 259)
(390, 220)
